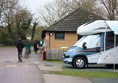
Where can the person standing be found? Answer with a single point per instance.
(28, 48)
(35, 46)
(19, 47)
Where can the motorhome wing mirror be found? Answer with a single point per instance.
(84, 45)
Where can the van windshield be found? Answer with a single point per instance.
(92, 41)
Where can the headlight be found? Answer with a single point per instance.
(66, 56)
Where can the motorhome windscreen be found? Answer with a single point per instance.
(92, 41)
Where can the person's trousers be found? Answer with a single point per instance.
(20, 55)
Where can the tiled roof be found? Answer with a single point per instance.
(71, 22)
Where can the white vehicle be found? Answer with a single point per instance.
(99, 45)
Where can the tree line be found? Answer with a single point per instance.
(16, 21)
(52, 12)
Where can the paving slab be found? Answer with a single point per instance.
(52, 78)
(12, 71)
(50, 67)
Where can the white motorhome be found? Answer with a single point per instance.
(99, 45)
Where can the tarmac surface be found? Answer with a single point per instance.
(45, 67)
(53, 66)
(34, 70)
(12, 71)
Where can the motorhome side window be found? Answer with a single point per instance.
(116, 40)
(110, 40)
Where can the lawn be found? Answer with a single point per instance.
(97, 72)
(71, 72)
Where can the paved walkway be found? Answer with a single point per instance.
(12, 71)
(9, 65)
(53, 66)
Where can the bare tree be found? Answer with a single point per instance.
(23, 19)
(8, 11)
(34, 30)
(1, 8)
(111, 8)
(15, 18)
(49, 14)
(52, 12)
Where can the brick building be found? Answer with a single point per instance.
(63, 32)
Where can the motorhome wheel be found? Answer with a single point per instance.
(79, 62)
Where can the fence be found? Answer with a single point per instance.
(54, 54)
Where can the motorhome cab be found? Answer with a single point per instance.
(98, 45)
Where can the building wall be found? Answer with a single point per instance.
(69, 40)
(46, 41)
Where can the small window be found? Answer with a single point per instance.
(59, 35)
(109, 40)
(116, 40)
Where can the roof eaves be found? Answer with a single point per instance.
(56, 22)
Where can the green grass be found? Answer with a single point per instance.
(58, 61)
(84, 73)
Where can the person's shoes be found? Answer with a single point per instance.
(19, 60)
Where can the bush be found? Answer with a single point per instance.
(8, 42)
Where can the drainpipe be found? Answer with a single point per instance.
(114, 55)
(49, 40)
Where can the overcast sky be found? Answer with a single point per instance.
(33, 5)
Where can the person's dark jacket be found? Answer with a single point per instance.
(20, 45)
